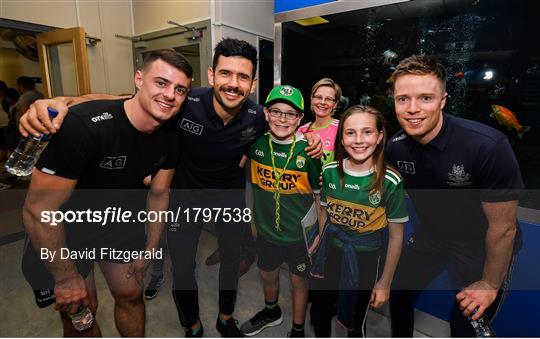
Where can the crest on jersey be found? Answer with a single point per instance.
(249, 133)
(300, 161)
(458, 176)
(375, 197)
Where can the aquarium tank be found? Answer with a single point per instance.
(491, 49)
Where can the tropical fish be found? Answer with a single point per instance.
(507, 118)
(365, 100)
(459, 75)
(388, 56)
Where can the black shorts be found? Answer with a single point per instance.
(271, 256)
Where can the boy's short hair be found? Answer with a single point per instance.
(420, 65)
(286, 94)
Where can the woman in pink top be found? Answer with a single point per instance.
(325, 95)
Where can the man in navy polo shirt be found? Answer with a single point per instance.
(464, 181)
(216, 128)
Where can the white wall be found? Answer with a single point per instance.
(255, 17)
(245, 20)
(51, 13)
(152, 15)
(110, 61)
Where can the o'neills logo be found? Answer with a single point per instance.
(353, 187)
(102, 117)
(399, 137)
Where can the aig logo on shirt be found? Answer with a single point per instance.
(406, 167)
(190, 126)
(113, 163)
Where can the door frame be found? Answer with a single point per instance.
(76, 36)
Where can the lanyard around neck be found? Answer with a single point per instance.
(278, 175)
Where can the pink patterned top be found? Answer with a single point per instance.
(328, 137)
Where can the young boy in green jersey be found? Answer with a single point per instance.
(285, 180)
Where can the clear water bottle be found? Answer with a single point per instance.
(24, 158)
(482, 326)
(83, 319)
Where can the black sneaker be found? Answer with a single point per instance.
(190, 334)
(296, 333)
(265, 318)
(229, 330)
(153, 287)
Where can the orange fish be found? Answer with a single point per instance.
(459, 75)
(507, 118)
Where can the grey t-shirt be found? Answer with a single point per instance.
(26, 99)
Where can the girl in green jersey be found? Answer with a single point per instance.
(363, 197)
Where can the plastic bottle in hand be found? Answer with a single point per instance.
(24, 158)
(482, 326)
(83, 319)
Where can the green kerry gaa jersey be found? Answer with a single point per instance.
(355, 209)
(296, 187)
